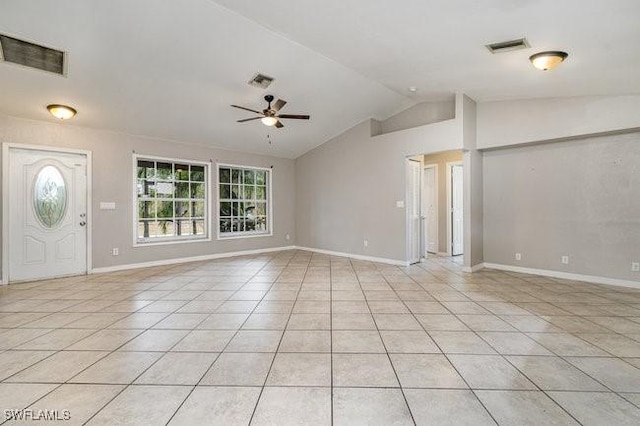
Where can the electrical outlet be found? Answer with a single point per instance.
(288, 237)
(115, 252)
(635, 266)
(565, 260)
(366, 243)
(518, 256)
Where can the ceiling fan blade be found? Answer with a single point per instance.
(294, 116)
(279, 124)
(278, 105)
(247, 109)
(249, 119)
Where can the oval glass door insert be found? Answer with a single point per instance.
(50, 196)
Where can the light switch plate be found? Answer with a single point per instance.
(400, 204)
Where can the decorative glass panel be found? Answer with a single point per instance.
(50, 196)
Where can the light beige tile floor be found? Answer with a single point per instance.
(300, 338)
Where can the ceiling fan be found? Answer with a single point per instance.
(270, 116)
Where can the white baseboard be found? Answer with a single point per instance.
(474, 268)
(117, 268)
(564, 275)
(356, 256)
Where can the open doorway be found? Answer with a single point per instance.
(435, 206)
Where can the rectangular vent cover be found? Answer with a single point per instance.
(507, 46)
(31, 55)
(260, 80)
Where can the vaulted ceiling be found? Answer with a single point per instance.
(171, 69)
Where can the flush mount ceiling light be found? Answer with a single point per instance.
(62, 112)
(547, 60)
(269, 121)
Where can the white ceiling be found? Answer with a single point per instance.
(438, 45)
(170, 69)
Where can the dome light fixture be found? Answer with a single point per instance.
(62, 112)
(269, 120)
(547, 60)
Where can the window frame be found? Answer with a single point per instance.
(269, 199)
(207, 202)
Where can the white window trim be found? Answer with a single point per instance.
(134, 211)
(242, 235)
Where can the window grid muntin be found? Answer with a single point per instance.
(240, 187)
(165, 225)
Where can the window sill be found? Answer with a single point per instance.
(242, 236)
(169, 242)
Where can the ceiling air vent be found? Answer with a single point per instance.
(31, 55)
(507, 46)
(260, 80)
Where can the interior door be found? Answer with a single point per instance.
(431, 209)
(456, 210)
(47, 214)
(413, 210)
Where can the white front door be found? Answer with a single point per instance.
(47, 214)
(413, 210)
(456, 210)
(431, 208)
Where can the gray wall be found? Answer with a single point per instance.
(441, 159)
(347, 188)
(419, 115)
(513, 122)
(112, 174)
(578, 198)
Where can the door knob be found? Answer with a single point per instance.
(83, 223)
(83, 215)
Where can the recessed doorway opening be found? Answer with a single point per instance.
(435, 206)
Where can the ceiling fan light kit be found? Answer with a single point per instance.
(270, 116)
(269, 121)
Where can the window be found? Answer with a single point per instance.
(171, 200)
(244, 200)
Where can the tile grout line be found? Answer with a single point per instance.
(165, 352)
(330, 332)
(404, 397)
(443, 352)
(275, 354)
(457, 288)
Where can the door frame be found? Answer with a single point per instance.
(433, 166)
(410, 231)
(450, 165)
(6, 147)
